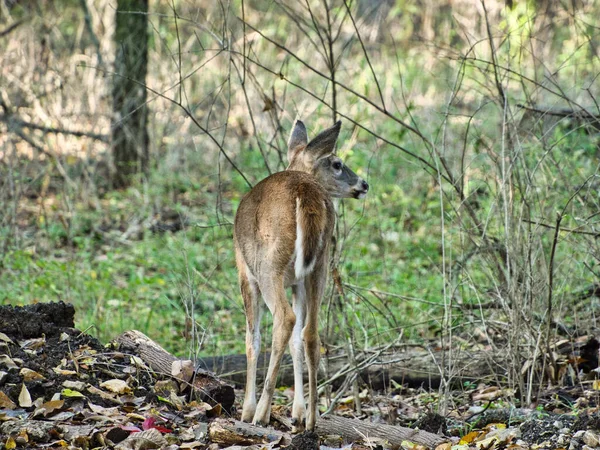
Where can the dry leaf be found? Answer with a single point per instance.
(198, 444)
(7, 362)
(75, 385)
(63, 372)
(117, 386)
(444, 446)
(488, 443)
(10, 444)
(30, 375)
(22, 437)
(105, 395)
(143, 440)
(183, 370)
(25, 397)
(5, 338)
(49, 407)
(469, 437)
(6, 402)
(33, 344)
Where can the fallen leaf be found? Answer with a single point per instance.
(75, 385)
(144, 440)
(469, 437)
(69, 393)
(196, 444)
(30, 375)
(150, 422)
(25, 397)
(5, 338)
(6, 402)
(102, 410)
(33, 344)
(183, 370)
(64, 372)
(138, 362)
(22, 437)
(105, 395)
(8, 362)
(488, 443)
(10, 444)
(117, 386)
(49, 407)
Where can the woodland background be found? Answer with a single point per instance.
(476, 123)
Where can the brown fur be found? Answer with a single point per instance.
(268, 259)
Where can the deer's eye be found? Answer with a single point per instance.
(337, 165)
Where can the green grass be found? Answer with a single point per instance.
(81, 247)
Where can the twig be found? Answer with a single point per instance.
(11, 119)
(567, 230)
(11, 27)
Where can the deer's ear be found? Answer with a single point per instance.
(298, 139)
(324, 143)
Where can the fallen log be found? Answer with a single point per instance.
(407, 366)
(414, 368)
(354, 429)
(210, 388)
(233, 432)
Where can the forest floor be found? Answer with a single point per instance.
(61, 388)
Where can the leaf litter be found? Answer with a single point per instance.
(66, 390)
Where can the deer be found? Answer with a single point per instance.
(282, 233)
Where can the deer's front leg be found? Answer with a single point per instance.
(297, 351)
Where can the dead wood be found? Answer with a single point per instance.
(230, 432)
(354, 429)
(210, 388)
(233, 432)
(411, 367)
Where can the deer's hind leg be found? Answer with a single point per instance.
(284, 319)
(315, 285)
(297, 351)
(253, 308)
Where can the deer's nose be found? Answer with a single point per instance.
(365, 185)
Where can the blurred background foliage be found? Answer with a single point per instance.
(476, 124)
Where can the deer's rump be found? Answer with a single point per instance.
(292, 224)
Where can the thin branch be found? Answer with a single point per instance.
(189, 114)
(11, 120)
(366, 54)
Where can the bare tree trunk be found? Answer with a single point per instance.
(129, 132)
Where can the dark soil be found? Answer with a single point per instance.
(32, 321)
(42, 338)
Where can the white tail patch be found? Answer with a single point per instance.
(300, 270)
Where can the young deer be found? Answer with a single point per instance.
(282, 232)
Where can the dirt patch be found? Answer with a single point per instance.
(32, 321)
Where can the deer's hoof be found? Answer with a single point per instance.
(298, 425)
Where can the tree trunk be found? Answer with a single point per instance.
(129, 122)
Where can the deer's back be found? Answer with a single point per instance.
(284, 224)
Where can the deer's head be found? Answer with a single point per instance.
(318, 158)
